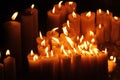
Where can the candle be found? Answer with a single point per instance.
(1, 71)
(107, 24)
(87, 22)
(70, 6)
(34, 65)
(13, 40)
(74, 19)
(54, 19)
(62, 10)
(115, 29)
(111, 64)
(100, 34)
(10, 67)
(29, 31)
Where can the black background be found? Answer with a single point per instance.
(7, 8)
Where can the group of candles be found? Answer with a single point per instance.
(69, 49)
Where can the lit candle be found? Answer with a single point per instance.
(70, 6)
(111, 64)
(29, 30)
(115, 29)
(13, 40)
(62, 10)
(54, 19)
(74, 20)
(87, 22)
(100, 34)
(10, 67)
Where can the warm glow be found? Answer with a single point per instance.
(69, 51)
(92, 40)
(75, 50)
(100, 11)
(40, 34)
(14, 16)
(105, 51)
(88, 14)
(7, 52)
(96, 51)
(60, 4)
(69, 40)
(115, 17)
(70, 2)
(68, 23)
(74, 14)
(113, 58)
(54, 29)
(65, 31)
(43, 43)
(91, 33)
(53, 10)
(78, 38)
(56, 40)
(81, 39)
(32, 6)
(46, 51)
(35, 57)
(107, 11)
(51, 52)
(31, 53)
(100, 26)
(64, 52)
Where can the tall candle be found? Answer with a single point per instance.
(70, 6)
(74, 19)
(29, 31)
(87, 22)
(10, 67)
(13, 40)
(115, 29)
(100, 34)
(1, 71)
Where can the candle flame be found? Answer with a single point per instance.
(55, 39)
(46, 51)
(7, 52)
(91, 33)
(54, 29)
(65, 53)
(65, 31)
(31, 53)
(40, 34)
(74, 14)
(113, 58)
(105, 51)
(115, 17)
(81, 39)
(78, 38)
(35, 57)
(92, 40)
(14, 16)
(51, 53)
(96, 51)
(107, 11)
(75, 50)
(69, 40)
(100, 11)
(68, 23)
(32, 6)
(100, 26)
(88, 14)
(70, 2)
(43, 43)
(60, 3)
(53, 10)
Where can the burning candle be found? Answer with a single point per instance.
(100, 34)
(54, 19)
(62, 10)
(13, 40)
(87, 22)
(111, 64)
(70, 6)
(29, 30)
(10, 67)
(115, 29)
(74, 20)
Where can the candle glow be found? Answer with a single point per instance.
(14, 16)
(88, 14)
(60, 3)
(74, 14)
(32, 6)
(7, 52)
(70, 2)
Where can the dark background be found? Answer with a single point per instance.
(7, 8)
